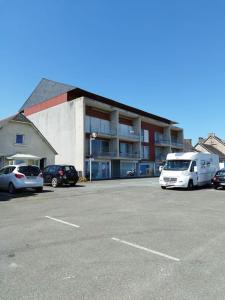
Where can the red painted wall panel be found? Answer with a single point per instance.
(152, 129)
(46, 104)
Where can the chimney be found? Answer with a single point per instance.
(211, 134)
(200, 140)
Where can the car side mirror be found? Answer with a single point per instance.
(195, 169)
(160, 168)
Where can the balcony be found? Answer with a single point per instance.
(160, 157)
(128, 132)
(97, 154)
(101, 131)
(162, 142)
(129, 155)
(129, 136)
(174, 144)
(100, 126)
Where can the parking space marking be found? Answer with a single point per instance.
(146, 249)
(61, 221)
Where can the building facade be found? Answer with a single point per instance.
(129, 141)
(21, 141)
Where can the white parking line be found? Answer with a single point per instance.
(61, 221)
(146, 249)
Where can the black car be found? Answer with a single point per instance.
(219, 179)
(60, 174)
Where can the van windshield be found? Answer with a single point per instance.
(177, 165)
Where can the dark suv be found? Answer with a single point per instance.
(60, 174)
(219, 179)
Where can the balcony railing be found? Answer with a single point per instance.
(132, 135)
(129, 155)
(96, 154)
(175, 144)
(160, 157)
(162, 142)
(101, 131)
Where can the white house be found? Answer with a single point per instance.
(21, 141)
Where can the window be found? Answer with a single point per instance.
(8, 170)
(126, 148)
(93, 124)
(203, 163)
(29, 170)
(126, 130)
(177, 165)
(145, 135)
(2, 171)
(193, 165)
(127, 169)
(87, 124)
(19, 139)
(145, 152)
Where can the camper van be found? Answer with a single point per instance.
(187, 170)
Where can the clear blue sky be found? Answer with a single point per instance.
(166, 57)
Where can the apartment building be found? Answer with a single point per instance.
(128, 142)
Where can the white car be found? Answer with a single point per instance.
(14, 177)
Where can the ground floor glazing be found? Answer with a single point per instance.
(106, 169)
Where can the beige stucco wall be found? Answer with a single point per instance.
(63, 127)
(201, 149)
(33, 144)
(216, 144)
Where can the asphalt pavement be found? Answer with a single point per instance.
(121, 239)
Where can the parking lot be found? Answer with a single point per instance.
(122, 239)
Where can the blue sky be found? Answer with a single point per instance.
(166, 57)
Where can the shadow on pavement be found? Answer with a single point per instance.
(4, 196)
(72, 187)
(203, 187)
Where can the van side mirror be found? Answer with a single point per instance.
(195, 169)
(160, 168)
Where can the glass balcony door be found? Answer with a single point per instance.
(93, 124)
(100, 169)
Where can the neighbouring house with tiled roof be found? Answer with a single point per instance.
(212, 144)
(22, 142)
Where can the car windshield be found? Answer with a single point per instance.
(221, 173)
(68, 168)
(29, 170)
(177, 165)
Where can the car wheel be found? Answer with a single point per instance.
(190, 185)
(163, 187)
(39, 189)
(11, 188)
(54, 182)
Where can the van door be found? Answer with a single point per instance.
(194, 174)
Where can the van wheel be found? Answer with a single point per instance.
(190, 185)
(11, 188)
(163, 187)
(54, 182)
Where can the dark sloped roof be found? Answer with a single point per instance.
(76, 93)
(46, 89)
(212, 149)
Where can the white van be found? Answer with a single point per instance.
(187, 170)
